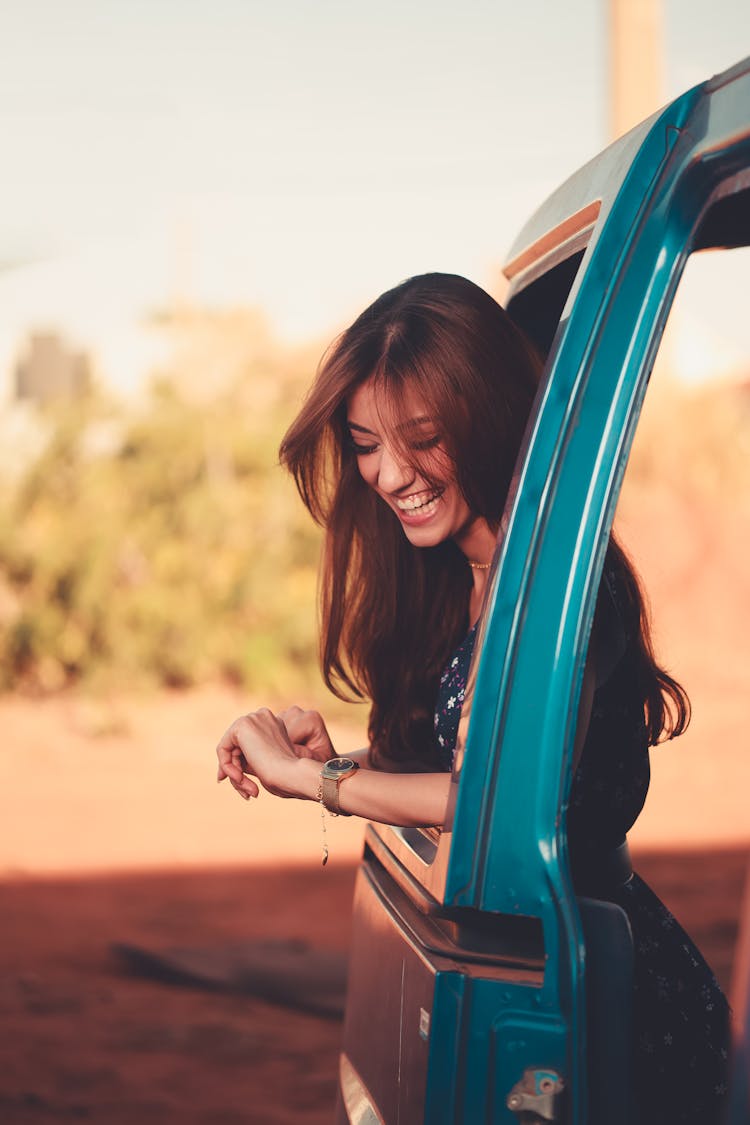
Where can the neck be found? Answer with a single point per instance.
(476, 596)
(477, 544)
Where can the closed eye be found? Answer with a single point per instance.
(360, 449)
(426, 443)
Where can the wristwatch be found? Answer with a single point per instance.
(331, 776)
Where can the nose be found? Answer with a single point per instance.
(394, 472)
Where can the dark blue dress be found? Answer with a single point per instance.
(680, 1015)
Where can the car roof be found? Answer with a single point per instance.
(564, 222)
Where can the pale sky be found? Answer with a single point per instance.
(301, 156)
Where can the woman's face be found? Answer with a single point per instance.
(430, 511)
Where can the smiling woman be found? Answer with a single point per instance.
(405, 451)
(415, 476)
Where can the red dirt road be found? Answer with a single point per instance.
(84, 1040)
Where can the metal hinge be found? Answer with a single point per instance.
(537, 1097)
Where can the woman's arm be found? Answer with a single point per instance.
(259, 745)
(405, 799)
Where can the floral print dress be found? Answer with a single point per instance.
(680, 1015)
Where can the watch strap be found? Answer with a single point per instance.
(329, 790)
(329, 787)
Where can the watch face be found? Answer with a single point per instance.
(340, 765)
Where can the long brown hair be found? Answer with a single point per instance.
(392, 613)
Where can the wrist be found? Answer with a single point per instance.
(308, 778)
(332, 775)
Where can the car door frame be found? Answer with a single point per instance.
(631, 217)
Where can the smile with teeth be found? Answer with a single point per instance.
(423, 503)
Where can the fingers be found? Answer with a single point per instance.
(246, 788)
(236, 760)
(297, 722)
(307, 733)
(229, 764)
(254, 744)
(232, 762)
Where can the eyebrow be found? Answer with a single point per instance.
(412, 424)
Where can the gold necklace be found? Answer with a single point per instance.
(479, 566)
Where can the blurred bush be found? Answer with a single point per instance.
(163, 546)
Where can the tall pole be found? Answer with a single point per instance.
(636, 62)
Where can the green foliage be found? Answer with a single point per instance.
(179, 554)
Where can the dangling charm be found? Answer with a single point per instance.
(323, 824)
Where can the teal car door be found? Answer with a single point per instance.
(473, 959)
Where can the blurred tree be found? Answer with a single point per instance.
(173, 552)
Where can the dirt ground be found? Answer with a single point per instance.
(84, 1040)
(113, 831)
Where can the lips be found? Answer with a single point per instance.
(418, 506)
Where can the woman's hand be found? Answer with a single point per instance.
(259, 744)
(307, 734)
(283, 754)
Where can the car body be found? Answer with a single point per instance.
(477, 987)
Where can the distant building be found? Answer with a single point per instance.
(50, 370)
